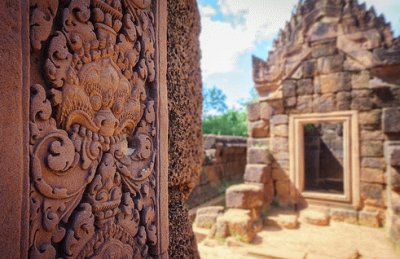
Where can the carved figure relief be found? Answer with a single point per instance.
(93, 145)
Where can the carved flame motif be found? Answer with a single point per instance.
(92, 130)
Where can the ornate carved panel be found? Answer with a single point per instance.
(94, 129)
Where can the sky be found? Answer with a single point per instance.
(233, 30)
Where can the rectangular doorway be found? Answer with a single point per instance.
(324, 157)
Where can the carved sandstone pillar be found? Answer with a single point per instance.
(184, 105)
(97, 129)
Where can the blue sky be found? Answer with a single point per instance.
(233, 30)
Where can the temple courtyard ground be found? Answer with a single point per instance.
(338, 240)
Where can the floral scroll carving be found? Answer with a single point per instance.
(93, 138)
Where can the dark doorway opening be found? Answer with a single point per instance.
(323, 157)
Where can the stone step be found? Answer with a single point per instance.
(315, 217)
(207, 216)
(284, 220)
(244, 196)
(237, 223)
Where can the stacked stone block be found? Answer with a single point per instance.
(331, 56)
(223, 165)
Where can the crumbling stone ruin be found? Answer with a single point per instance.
(223, 165)
(325, 132)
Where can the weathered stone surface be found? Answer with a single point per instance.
(361, 100)
(185, 149)
(283, 163)
(369, 218)
(359, 40)
(391, 120)
(282, 188)
(373, 162)
(206, 217)
(337, 62)
(372, 148)
(258, 142)
(288, 221)
(289, 88)
(258, 173)
(304, 104)
(258, 155)
(394, 231)
(324, 103)
(98, 147)
(344, 215)
(280, 174)
(395, 157)
(309, 68)
(371, 193)
(372, 175)
(326, 48)
(280, 130)
(305, 87)
(279, 144)
(253, 111)
(240, 223)
(370, 117)
(335, 82)
(269, 191)
(220, 229)
(343, 101)
(330, 64)
(315, 217)
(280, 119)
(266, 110)
(279, 155)
(350, 64)
(290, 102)
(371, 135)
(360, 80)
(244, 196)
(258, 129)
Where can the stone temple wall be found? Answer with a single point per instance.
(223, 165)
(332, 56)
(185, 146)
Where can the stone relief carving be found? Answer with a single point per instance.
(93, 140)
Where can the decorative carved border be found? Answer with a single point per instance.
(350, 154)
(98, 129)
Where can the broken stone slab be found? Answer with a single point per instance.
(200, 233)
(241, 224)
(344, 215)
(369, 218)
(257, 173)
(258, 155)
(316, 217)
(220, 230)
(391, 120)
(287, 220)
(207, 216)
(280, 119)
(244, 196)
(253, 111)
(258, 129)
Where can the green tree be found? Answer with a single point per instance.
(214, 101)
(232, 122)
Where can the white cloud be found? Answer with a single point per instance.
(247, 22)
(207, 10)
